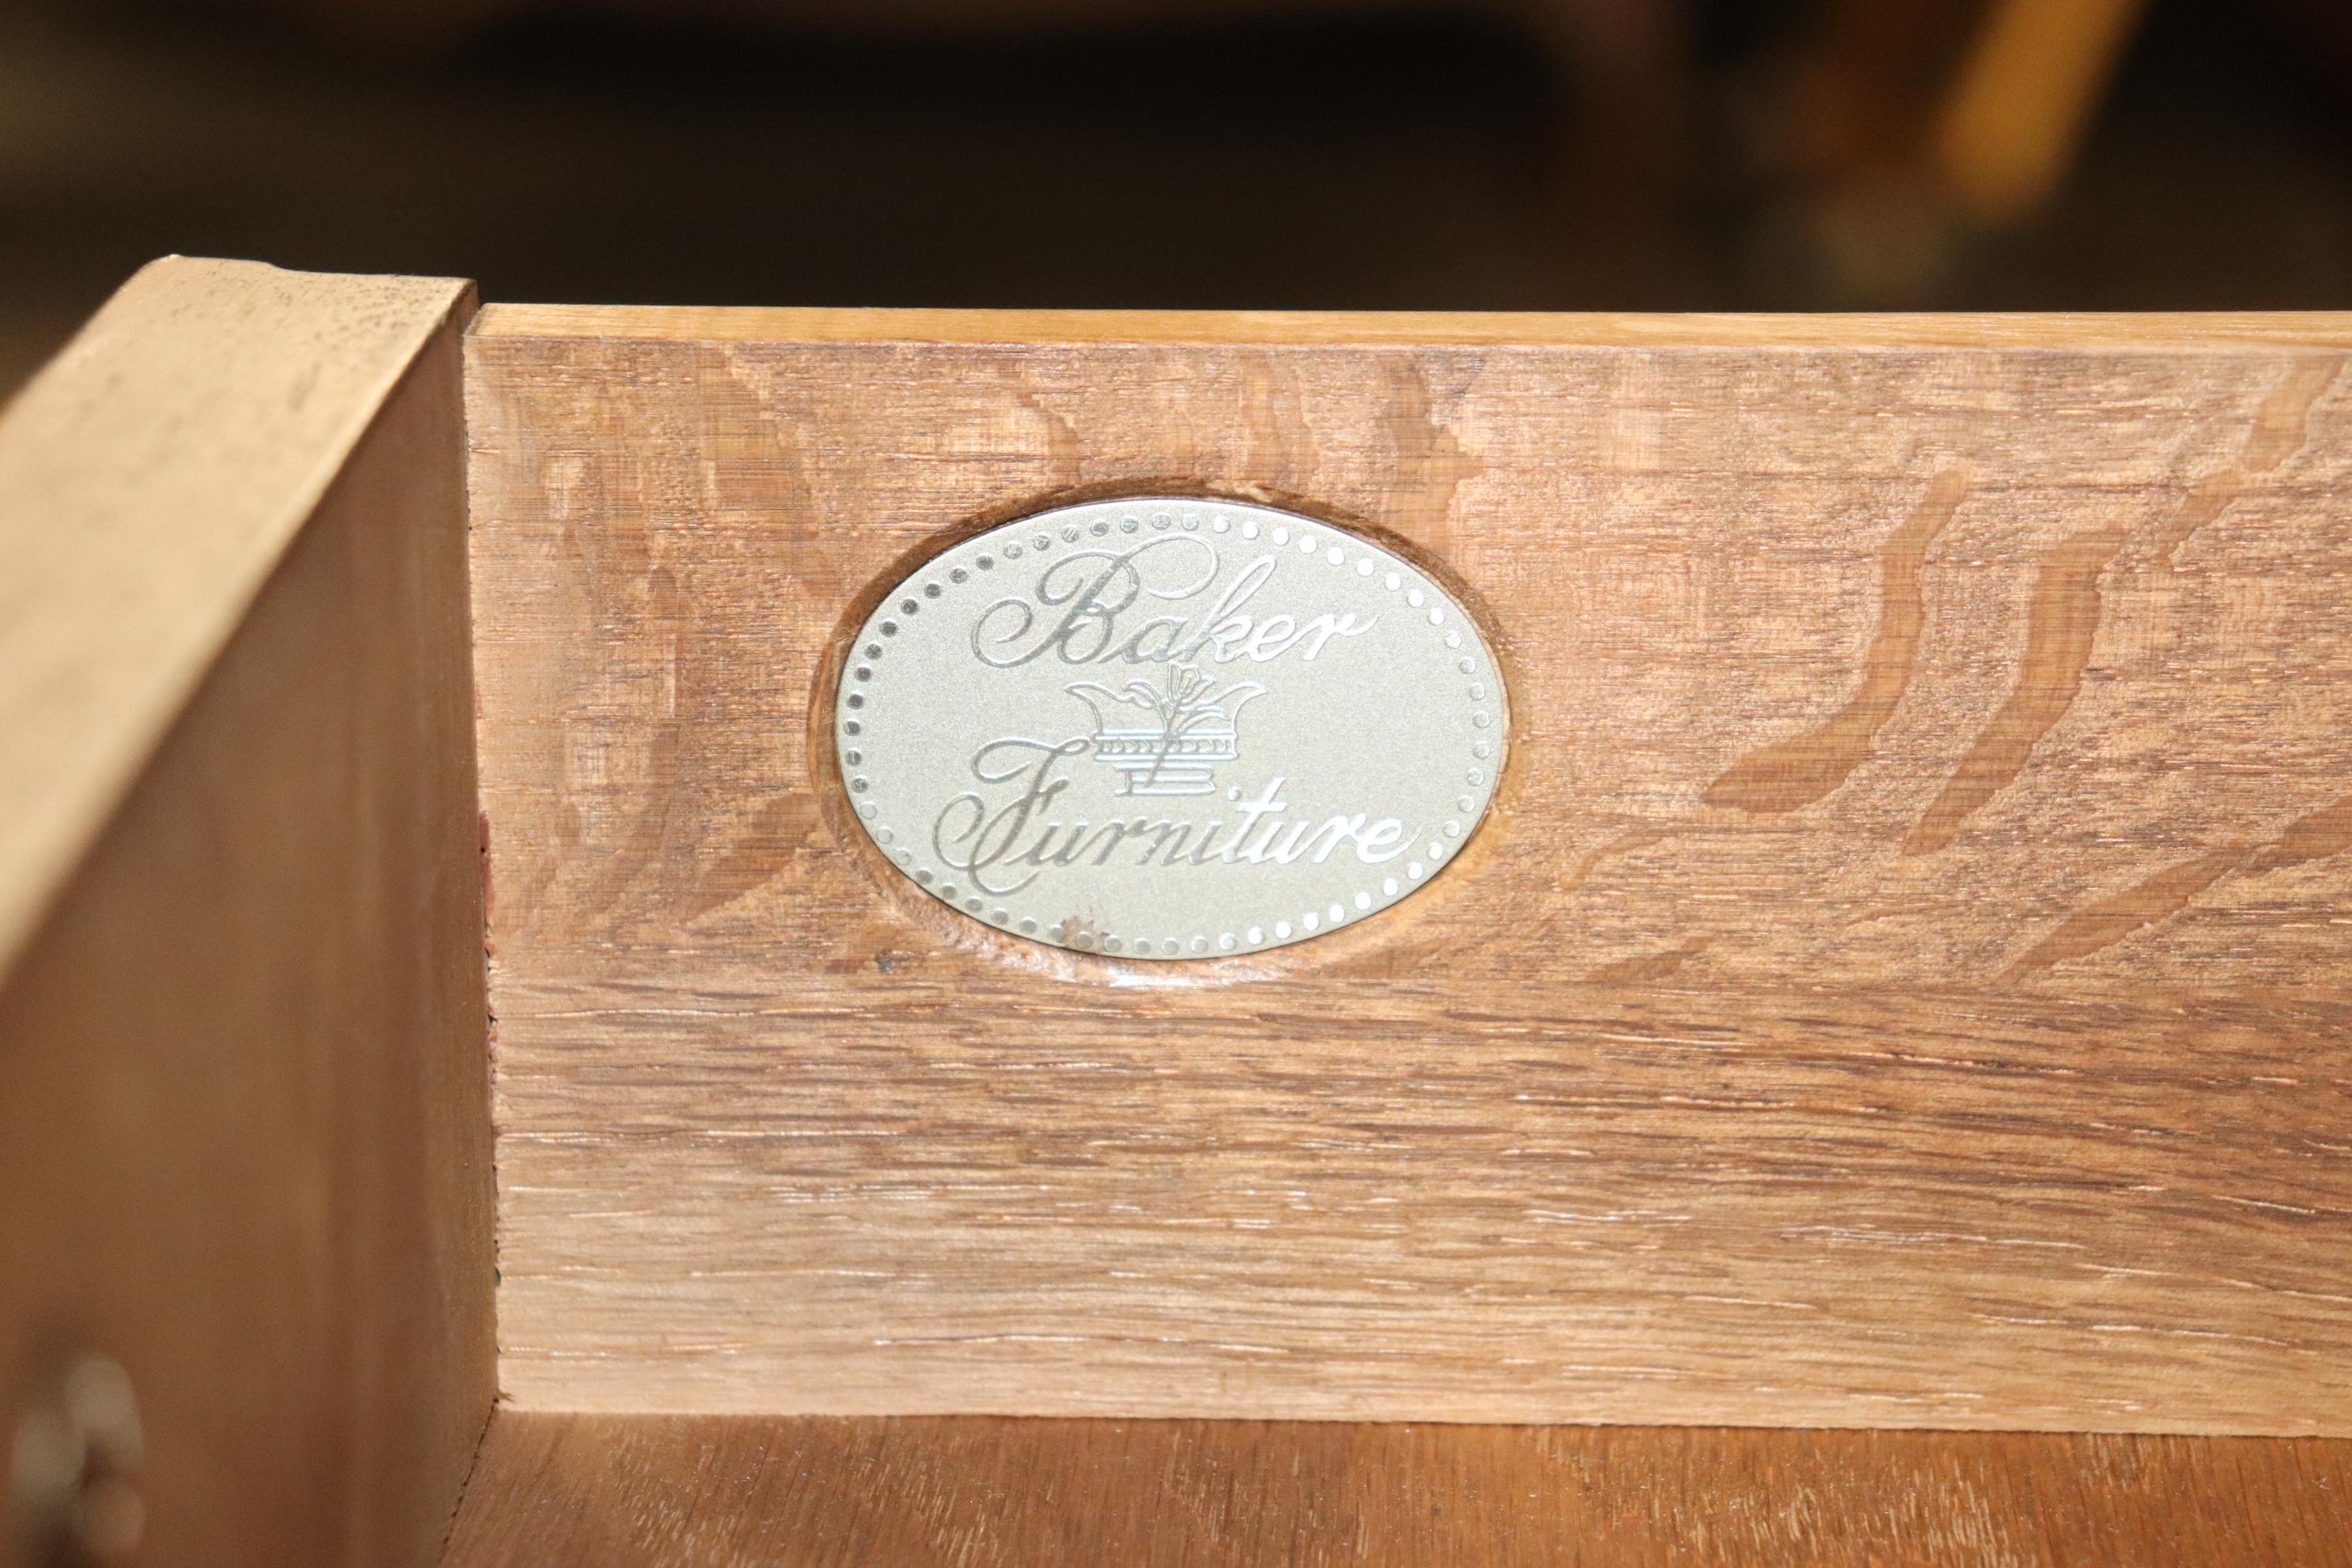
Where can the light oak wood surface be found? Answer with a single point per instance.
(651, 1491)
(1904, 981)
(244, 1140)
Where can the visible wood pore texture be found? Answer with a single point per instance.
(244, 1128)
(1904, 981)
(651, 1491)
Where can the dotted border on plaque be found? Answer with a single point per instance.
(1330, 545)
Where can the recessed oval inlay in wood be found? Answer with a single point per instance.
(1170, 728)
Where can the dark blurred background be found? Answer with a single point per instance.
(1506, 154)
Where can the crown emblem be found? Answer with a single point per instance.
(1187, 730)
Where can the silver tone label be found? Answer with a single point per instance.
(1169, 729)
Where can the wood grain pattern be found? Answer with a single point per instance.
(1904, 981)
(243, 1137)
(697, 1492)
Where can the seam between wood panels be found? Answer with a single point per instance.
(473, 1472)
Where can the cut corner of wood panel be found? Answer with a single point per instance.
(152, 477)
(243, 1138)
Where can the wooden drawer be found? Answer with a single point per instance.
(1902, 982)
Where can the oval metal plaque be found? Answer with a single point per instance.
(1169, 729)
